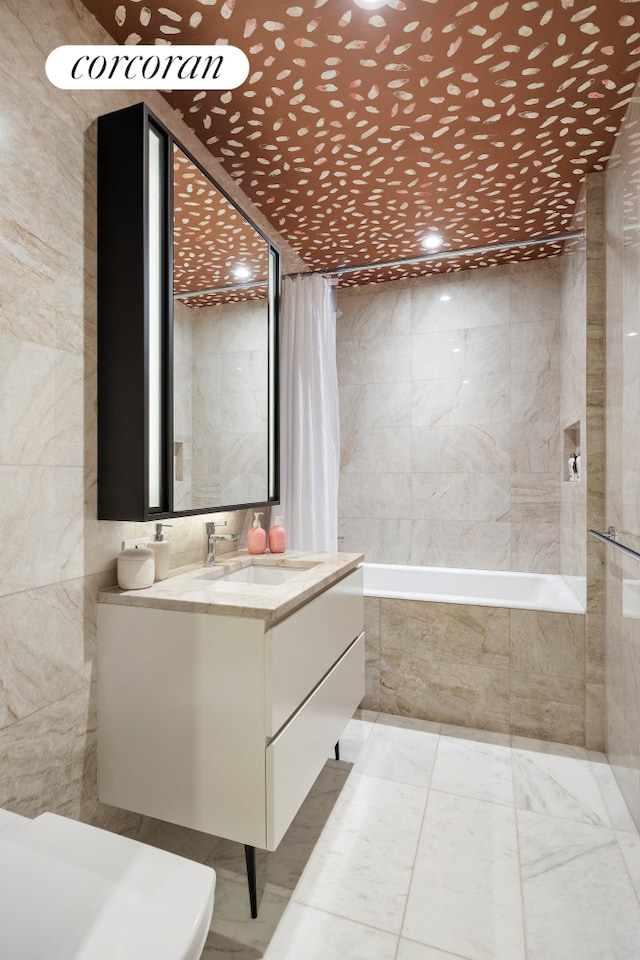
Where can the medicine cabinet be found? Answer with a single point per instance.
(188, 295)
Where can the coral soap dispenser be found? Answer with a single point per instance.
(278, 537)
(257, 537)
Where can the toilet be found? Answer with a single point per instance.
(70, 891)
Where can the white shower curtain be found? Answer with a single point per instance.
(309, 414)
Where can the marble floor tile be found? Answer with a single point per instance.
(361, 866)
(465, 892)
(578, 898)
(618, 812)
(185, 842)
(233, 933)
(354, 738)
(409, 723)
(558, 786)
(532, 745)
(285, 866)
(398, 753)
(309, 934)
(474, 769)
(477, 736)
(363, 714)
(281, 869)
(629, 844)
(218, 947)
(409, 950)
(371, 858)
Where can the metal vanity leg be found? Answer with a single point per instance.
(250, 857)
(338, 750)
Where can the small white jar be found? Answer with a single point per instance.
(136, 568)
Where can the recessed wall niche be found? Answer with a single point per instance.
(571, 465)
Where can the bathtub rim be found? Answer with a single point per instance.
(572, 605)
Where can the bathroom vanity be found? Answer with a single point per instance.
(222, 691)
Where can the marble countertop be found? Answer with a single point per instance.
(201, 589)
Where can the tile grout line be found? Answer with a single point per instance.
(593, 766)
(415, 856)
(517, 826)
(421, 831)
(340, 916)
(331, 913)
(445, 953)
(634, 886)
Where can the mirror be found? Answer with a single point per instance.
(187, 330)
(221, 347)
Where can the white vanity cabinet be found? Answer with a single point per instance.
(222, 723)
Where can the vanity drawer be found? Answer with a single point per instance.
(301, 649)
(297, 755)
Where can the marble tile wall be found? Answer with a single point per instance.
(622, 577)
(449, 397)
(511, 671)
(220, 413)
(230, 415)
(182, 406)
(56, 554)
(582, 403)
(573, 400)
(594, 454)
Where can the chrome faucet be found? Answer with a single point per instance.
(213, 538)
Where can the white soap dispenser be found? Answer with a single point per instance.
(160, 548)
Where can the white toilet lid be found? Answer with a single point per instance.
(69, 891)
(7, 818)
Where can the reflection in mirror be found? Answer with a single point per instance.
(221, 348)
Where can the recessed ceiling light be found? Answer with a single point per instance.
(634, 333)
(445, 297)
(241, 272)
(432, 241)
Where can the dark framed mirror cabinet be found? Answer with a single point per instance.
(188, 297)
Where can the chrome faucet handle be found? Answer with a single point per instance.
(212, 524)
(213, 538)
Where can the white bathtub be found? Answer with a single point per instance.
(486, 588)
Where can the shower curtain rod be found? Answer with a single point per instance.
(453, 254)
(229, 288)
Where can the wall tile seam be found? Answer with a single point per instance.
(80, 689)
(484, 612)
(507, 654)
(513, 642)
(84, 351)
(578, 682)
(47, 465)
(498, 669)
(422, 519)
(57, 583)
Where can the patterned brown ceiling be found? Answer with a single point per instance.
(214, 248)
(360, 130)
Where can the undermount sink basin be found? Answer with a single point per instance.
(264, 575)
(260, 573)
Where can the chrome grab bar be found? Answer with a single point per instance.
(611, 536)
